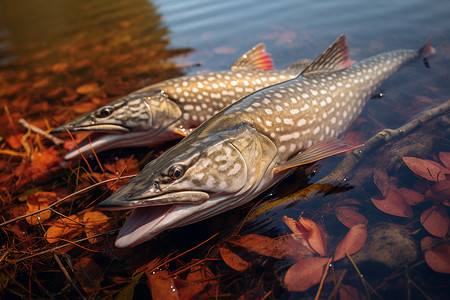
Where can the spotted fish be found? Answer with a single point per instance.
(171, 109)
(253, 144)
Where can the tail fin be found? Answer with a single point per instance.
(426, 51)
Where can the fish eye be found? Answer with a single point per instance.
(176, 171)
(106, 111)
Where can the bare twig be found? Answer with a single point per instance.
(65, 198)
(54, 139)
(63, 269)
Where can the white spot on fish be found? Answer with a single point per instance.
(294, 111)
(189, 107)
(278, 108)
(301, 122)
(305, 96)
(314, 92)
(323, 103)
(268, 111)
(316, 130)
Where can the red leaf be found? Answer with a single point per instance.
(162, 285)
(352, 242)
(315, 237)
(394, 204)
(308, 229)
(305, 273)
(435, 220)
(438, 258)
(425, 168)
(349, 216)
(347, 292)
(233, 260)
(445, 158)
(14, 141)
(411, 197)
(439, 192)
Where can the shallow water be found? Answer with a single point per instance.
(125, 45)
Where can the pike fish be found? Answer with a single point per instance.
(171, 109)
(254, 143)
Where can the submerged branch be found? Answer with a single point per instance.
(342, 170)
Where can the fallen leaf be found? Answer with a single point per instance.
(87, 88)
(162, 285)
(308, 229)
(425, 168)
(439, 192)
(197, 280)
(352, 242)
(347, 292)
(233, 260)
(411, 197)
(305, 274)
(435, 220)
(445, 159)
(394, 204)
(62, 227)
(89, 274)
(437, 258)
(14, 141)
(95, 222)
(349, 216)
(381, 179)
(39, 201)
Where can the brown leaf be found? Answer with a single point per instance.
(88, 273)
(394, 204)
(381, 179)
(425, 168)
(439, 192)
(437, 258)
(349, 216)
(87, 88)
(196, 282)
(352, 242)
(39, 201)
(435, 220)
(233, 260)
(445, 159)
(162, 285)
(305, 273)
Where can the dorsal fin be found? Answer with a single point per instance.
(254, 59)
(335, 58)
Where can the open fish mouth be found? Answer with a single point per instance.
(142, 200)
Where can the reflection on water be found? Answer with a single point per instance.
(47, 51)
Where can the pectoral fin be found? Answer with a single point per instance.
(318, 151)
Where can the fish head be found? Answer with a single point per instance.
(196, 179)
(131, 120)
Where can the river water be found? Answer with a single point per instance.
(124, 45)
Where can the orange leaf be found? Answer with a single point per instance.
(162, 285)
(87, 88)
(39, 201)
(293, 225)
(425, 168)
(95, 222)
(394, 204)
(349, 216)
(62, 227)
(198, 278)
(14, 141)
(437, 258)
(435, 220)
(445, 158)
(305, 273)
(233, 260)
(352, 242)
